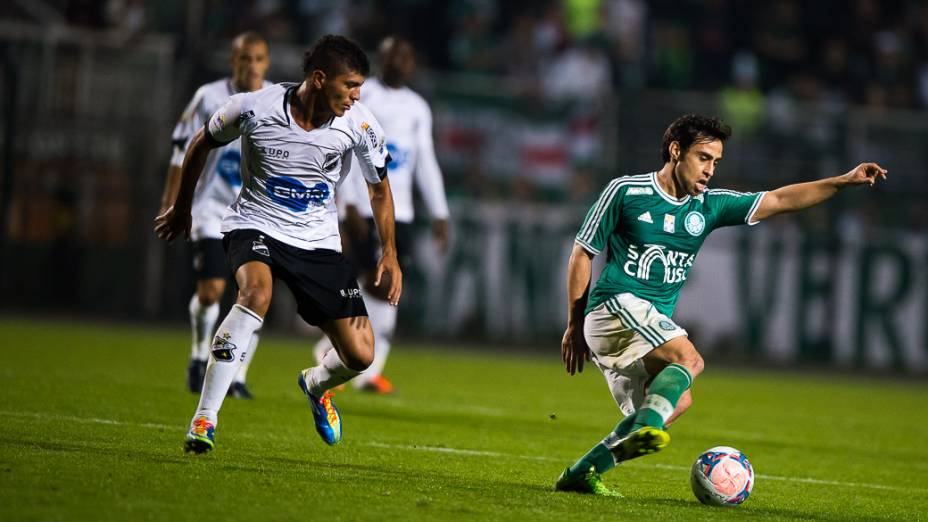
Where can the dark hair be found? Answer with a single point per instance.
(334, 54)
(692, 128)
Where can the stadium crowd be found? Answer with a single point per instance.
(857, 51)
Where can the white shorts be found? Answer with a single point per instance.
(619, 333)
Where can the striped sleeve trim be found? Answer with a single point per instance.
(595, 216)
(588, 247)
(749, 219)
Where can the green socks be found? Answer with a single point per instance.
(600, 457)
(662, 396)
(658, 405)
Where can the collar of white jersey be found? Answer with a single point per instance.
(667, 197)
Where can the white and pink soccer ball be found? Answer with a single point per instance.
(722, 476)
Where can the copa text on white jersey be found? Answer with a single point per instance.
(220, 180)
(407, 122)
(289, 174)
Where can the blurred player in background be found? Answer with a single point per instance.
(298, 141)
(407, 123)
(653, 225)
(219, 185)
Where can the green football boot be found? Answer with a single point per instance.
(590, 483)
(643, 441)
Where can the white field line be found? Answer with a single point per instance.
(479, 453)
(453, 451)
(84, 420)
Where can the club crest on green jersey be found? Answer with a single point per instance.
(695, 223)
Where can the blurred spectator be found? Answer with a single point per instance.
(673, 60)
(580, 72)
(625, 29)
(780, 41)
(742, 103)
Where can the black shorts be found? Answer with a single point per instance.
(324, 284)
(208, 258)
(365, 251)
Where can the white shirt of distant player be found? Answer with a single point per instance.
(289, 174)
(407, 123)
(220, 180)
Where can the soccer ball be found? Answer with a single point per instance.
(722, 476)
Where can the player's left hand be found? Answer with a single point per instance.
(865, 174)
(172, 223)
(388, 266)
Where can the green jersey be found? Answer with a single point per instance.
(653, 237)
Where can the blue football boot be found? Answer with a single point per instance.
(325, 414)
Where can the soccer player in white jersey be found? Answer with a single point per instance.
(298, 143)
(653, 225)
(218, 187)
(407, 122)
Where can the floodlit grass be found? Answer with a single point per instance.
(92, 419)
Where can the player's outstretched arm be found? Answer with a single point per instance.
(382, 206)
(804, 195)
(574, 350)
(175, 220)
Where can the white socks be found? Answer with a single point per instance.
(245, 363)
(230, 346)
(383, 322)
(202, 321)
(322, 346)
(330, 373)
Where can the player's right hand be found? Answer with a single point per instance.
(172, 223)
(574, 350)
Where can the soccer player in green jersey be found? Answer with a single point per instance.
(654, 224)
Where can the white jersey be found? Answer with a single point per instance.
(407, 121)
(290, 174)
(220, 180)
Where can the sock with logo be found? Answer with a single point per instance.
(202, 321)
(328, 374)
(383, 321)
(246, 362)
(232, 338)
(600, 457)
(662, 397)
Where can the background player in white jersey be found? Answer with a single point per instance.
(218, 187)
(407, 121)
(298, 141)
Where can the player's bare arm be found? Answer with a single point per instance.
(804, 195)
(574, 350)
(382, 207)
(171, 185)
(176, 219)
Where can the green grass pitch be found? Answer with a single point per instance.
(92, 419)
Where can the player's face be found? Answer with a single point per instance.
(249, 65)
(342, 91)
(697, 166)
(399, 63)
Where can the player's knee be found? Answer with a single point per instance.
(359, 360)
(209, 294)
(694, 363)
(256, 298)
